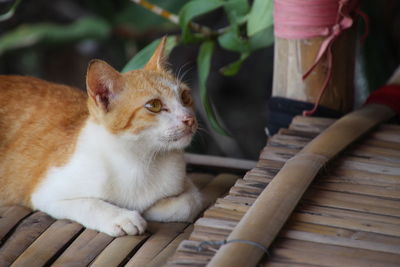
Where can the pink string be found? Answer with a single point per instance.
(303, 19)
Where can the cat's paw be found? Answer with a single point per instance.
(128, 222)
(183, 208)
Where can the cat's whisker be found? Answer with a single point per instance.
(180, 70)
(184, 74)
(202, 133)
(181, 75)
(201, 128)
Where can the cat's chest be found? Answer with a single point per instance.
(130, 176)
(137, 184)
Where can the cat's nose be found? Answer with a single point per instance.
(188, 120)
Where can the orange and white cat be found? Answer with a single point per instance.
(105, 160)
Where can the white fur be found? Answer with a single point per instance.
(174, 86)
(110, 180)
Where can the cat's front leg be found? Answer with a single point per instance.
(96, 214)
(182, 208)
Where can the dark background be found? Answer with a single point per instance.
(239, 100)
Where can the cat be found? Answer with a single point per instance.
(109, 159)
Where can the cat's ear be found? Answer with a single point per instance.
(103, 83)
(158, 60)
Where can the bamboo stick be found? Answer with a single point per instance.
(270, 211)
(231, 164)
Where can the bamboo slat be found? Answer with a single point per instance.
(84, 249)
(169, 250)
(46, 247)
(117, 252)
(220, 212)
(348, 220)
(353, 235)
(335, 238)
(381, 191)
(379, 157)
(162, 235)
(368, 149)
(10, 217)
(304, 252)
(367, 204)
(23, 236)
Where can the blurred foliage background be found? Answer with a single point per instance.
(55, 40)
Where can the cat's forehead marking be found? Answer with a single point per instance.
(168, 83)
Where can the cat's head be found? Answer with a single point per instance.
(149, 104)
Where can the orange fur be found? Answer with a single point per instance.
(41, 121)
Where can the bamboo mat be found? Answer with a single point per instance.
(350, 216)
(34, 239)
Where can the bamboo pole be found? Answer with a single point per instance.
(219, 162)
(272, 208)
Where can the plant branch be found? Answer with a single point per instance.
(174, 18)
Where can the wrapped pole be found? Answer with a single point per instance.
(314, 52)
(263, 221)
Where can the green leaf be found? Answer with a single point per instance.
(232, 41)
(143, 56)
(234, 67)
(10, 12)
(85, 28)
(262, 39)
(28, 35)
(193, 9)
(203, 66)
(237, 10)
(260, 16)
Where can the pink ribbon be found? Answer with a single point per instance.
(304, 19)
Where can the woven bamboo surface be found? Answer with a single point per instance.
(350, 216)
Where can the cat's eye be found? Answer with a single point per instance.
(186, 98)
(154, 105)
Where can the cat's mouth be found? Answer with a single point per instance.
(182, 135)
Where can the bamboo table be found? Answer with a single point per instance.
(349, 216)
